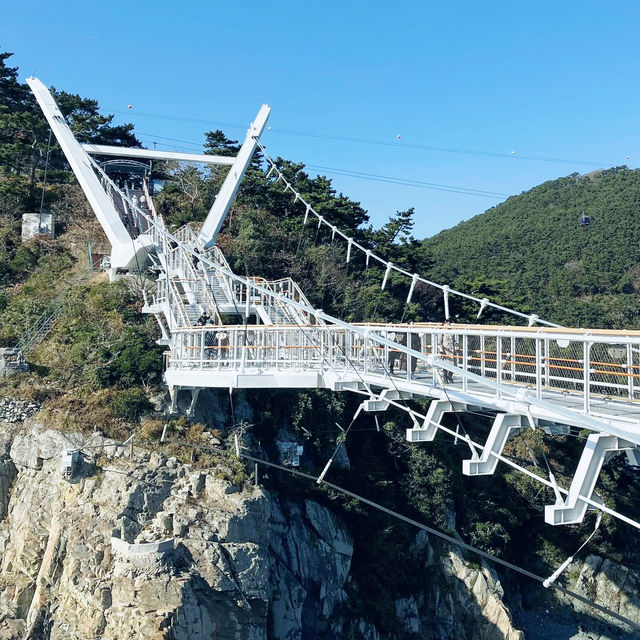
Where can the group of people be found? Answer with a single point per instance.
(447, 349)
(141, 202)
(213, 340)
(131, 183)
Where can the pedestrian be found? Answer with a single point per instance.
(447, 348)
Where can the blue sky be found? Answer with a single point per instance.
(546, 79)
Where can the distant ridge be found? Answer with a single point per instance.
(531, 252)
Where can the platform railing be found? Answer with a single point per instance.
(580, 364)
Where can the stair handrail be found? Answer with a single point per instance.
(43, 324)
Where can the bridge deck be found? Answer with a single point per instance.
(595, 375)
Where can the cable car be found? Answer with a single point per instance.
(584, 221)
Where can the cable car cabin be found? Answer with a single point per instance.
(584, 221)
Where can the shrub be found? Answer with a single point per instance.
(130, 404)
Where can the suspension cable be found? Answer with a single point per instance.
(389, 266)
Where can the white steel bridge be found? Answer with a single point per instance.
(222, 330)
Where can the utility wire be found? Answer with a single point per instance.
(407, 182)
(369, 141)
(428, 529)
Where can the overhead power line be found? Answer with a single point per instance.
(407, 182)
(360, 175)
(398, 144)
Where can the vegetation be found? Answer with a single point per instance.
(531, 252)
(101, 365)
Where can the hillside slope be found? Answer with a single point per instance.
(530, 251)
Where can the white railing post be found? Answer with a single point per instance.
(630, 371)
(465, 359)
(365, 351)
(587, 375)
(547, 360)
(538, 367)
(499, 363)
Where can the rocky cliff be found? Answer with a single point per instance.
(148, 547)
(144, 546)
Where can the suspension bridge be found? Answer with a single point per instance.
(224, 330)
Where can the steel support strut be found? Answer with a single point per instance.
(224, 199)
(572, 509)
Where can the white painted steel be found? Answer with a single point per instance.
(229, 188)
(572, 508)
(153, 154)
(100, 202)
(585, 378)
(351, 355)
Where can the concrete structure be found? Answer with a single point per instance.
(11, 361)
(129, 550)
(34, 224)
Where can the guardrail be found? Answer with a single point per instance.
(582, 363)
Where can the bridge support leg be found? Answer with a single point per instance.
(501, 429)
(437, 409)
(194, 398)
(173, 394)
(574, 507)
(633, 456)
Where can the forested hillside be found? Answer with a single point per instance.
(101, 366)
(530, 251)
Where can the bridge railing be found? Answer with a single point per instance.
(574, 363)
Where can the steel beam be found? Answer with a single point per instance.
(501, 429)
(153, 154)
(381, 403)
(229, 188)
(574, 507)
(103, 207)
(437, 409)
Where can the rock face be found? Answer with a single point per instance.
(152, 548)
(610, 584)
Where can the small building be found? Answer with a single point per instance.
(34, 224)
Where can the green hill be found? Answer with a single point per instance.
(530, 251)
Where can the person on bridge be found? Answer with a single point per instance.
(416, 345)
(396, 355)
(447, 350)
(203, 319)
(401, 357)
(194, 258)
(209, 343)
